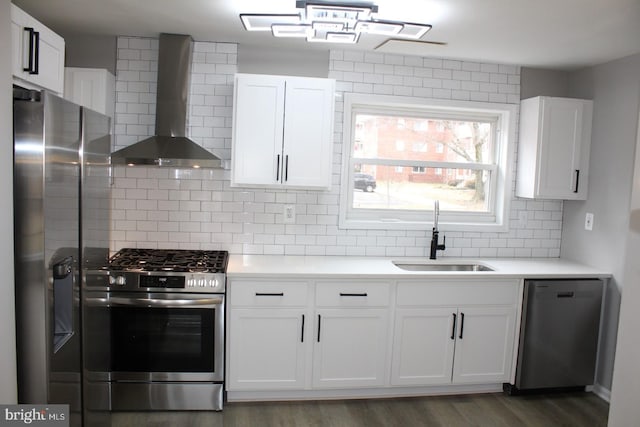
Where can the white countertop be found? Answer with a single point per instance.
(289, 266)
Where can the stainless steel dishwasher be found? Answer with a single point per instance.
(558, 335)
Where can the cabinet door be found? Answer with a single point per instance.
(308, 136)
(350, 348)
(93, 88)
(484, 345)
(44, 46)
(267, 349)
(258, 122)
(560, 148)
(423, 345)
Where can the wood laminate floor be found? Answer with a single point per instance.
(484, 410)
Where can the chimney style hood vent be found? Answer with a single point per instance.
(170, 146)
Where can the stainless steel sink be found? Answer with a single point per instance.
(441, 267)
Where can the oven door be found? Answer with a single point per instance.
(154, 337)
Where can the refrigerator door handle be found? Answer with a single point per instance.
(62, 277)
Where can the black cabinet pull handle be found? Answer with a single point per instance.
(269, 294)
(302, 333)
(278, 169)
(453, 328)
(36, 54)
(319, 322)
(577, 180)
(32, 49)
(461, 325)
(345, 294)
(286, 168)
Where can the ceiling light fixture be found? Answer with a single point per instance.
(332, 22)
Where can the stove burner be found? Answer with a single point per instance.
(169, 260)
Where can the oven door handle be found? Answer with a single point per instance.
(152, 302)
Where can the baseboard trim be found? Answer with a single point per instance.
(382, 392)
(602, 392)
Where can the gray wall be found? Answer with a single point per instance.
(615, 90)
(8, 388)
(624, 410)
(101, 52)
(290, 62)
(539, 82)
(90, 51)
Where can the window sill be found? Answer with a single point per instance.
(364, 224)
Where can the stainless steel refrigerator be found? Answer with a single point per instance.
(61, 226)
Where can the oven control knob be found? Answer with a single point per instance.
(112, 280)
(121, 281)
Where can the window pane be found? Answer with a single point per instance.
(422, 139)
(389, 187)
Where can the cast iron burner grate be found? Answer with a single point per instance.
(169, 260)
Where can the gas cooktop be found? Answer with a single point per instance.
(169, 260)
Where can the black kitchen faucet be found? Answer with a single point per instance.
(435, 246)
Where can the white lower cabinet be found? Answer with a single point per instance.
(423, 346)
(465, 344)
(273, 345)
(268, 335)
(314, 335)
(484, 345)
(350, 348)
(267, 349)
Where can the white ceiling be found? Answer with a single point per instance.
(554, 34)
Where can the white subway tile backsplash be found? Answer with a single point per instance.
(191, 209)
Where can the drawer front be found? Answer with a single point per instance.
(352, 294)
(458, 292)
(255, 293)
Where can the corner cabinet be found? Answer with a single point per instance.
(37, 53)
(554, 148)
(282, 132)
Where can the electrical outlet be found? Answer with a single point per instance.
(588, 221)
(289, 214)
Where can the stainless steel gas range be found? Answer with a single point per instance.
(154, 331)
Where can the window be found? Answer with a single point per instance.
(419, 147)
(466, 169)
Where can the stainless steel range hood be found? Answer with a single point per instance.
(170, 146)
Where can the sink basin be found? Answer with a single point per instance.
(441, 267)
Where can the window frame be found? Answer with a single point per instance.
(497, 219)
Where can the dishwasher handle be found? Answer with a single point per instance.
(567, 294)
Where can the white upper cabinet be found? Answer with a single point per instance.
(37, 53)
(554, 147)
(93, 88)
(282, 131)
